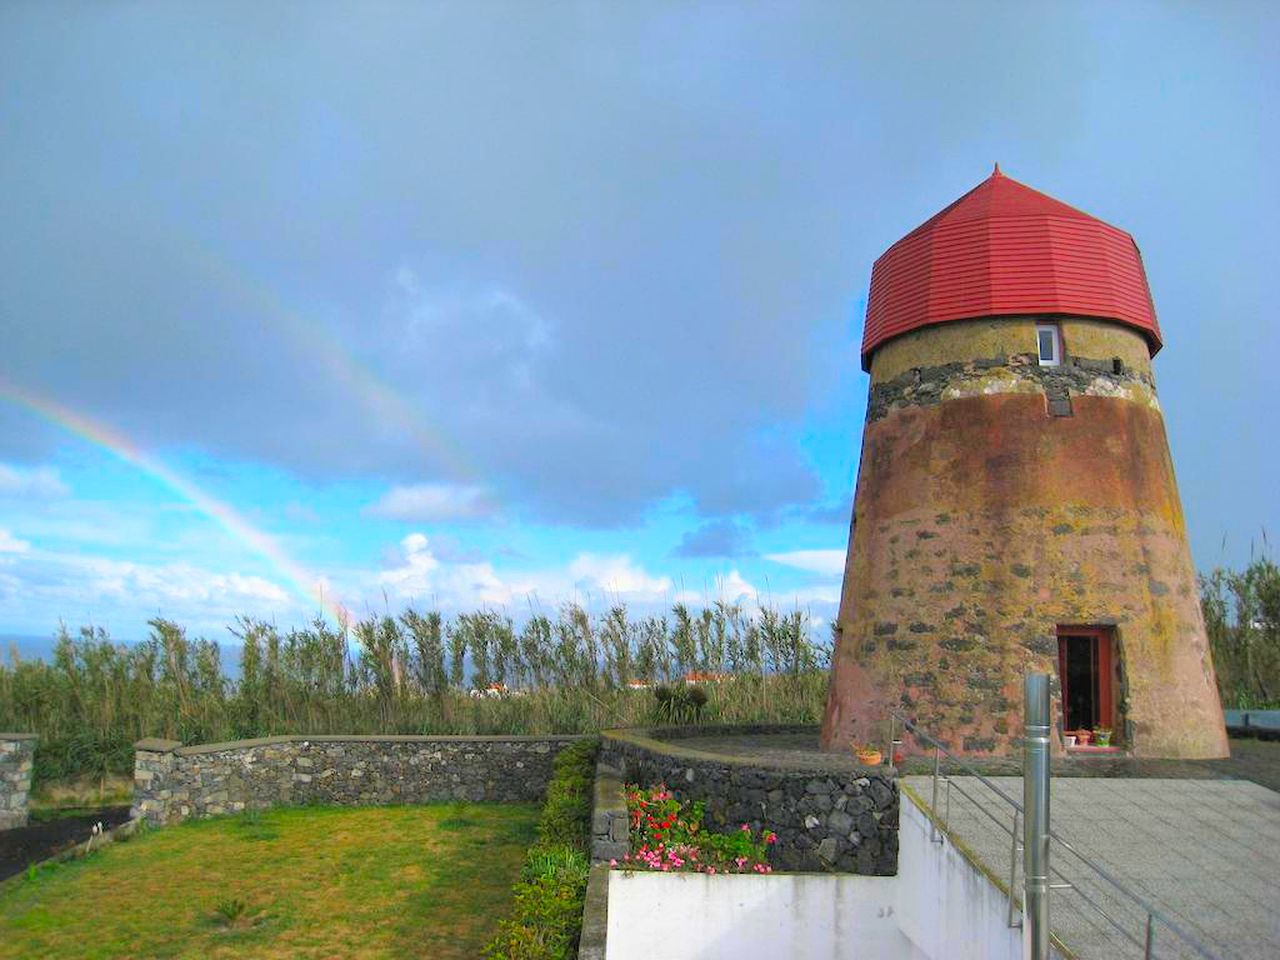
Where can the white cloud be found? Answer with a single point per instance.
(828, 563)
(11, 544)
(809, 595)
(731, 588)
(39, 587)
(419, 572)
(38, 483)
(616, 574)
(169, 583)
(734, 587)
(433, 503)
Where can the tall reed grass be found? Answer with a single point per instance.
(1242, 618)
(415, 673)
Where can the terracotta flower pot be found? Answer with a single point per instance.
(869, 758)
(1083, 737)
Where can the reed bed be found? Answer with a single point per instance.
(415, 673)
(1242, 618)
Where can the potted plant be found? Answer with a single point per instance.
(1083, 737)
(866, 755)
(1069, 739)
(1102, 736)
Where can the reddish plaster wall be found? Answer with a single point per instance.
(982, 524)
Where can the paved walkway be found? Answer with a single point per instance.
(1206, 853)
(1256, 760)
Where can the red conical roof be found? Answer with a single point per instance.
(1004, 249)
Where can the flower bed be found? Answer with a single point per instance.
(668, 835)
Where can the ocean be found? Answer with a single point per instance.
(29, 647)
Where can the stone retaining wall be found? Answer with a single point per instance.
(16, 752)
(842, 819)
(173, 782)
(610, 825)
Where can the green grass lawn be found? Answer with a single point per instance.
(316, 882)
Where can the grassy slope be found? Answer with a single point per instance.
(327, 882)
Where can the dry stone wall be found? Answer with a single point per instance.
(173, 782)
(16, 752)
(839, 819)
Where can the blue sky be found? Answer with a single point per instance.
(498, 304)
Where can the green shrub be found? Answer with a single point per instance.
(679, 706)
(547, 919)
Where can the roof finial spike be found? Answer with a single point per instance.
(996, 172)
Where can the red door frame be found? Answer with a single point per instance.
(1103, 656)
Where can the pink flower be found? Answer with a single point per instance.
(745, 828)
(613, 863)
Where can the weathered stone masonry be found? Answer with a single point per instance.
(16, 752)
(985, 518)
(1020, 373)
(842, 818)
(173, 782)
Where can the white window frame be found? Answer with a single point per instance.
(1056, 332)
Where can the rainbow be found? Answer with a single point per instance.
(227, 517)
(316, 339)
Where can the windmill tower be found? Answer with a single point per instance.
(1016, 506)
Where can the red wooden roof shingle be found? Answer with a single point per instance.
(1004, 249)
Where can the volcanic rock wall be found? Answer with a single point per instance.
(172, 782)
(16, 752)
(836, 819)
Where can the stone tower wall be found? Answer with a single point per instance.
(17, 751)
(998, 500)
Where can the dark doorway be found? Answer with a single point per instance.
(1085, 668)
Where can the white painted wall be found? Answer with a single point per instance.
(947, 907)
(939, 907)
(682, 916)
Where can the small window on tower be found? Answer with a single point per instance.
(1050, 340)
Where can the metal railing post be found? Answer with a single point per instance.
(1035, 821)
(1013, 867)
(937, 763)
(1151, 938)
(946, 817)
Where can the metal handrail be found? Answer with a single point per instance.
(1012, 830)
(1153, 914)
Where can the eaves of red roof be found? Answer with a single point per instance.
(1004, 249)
